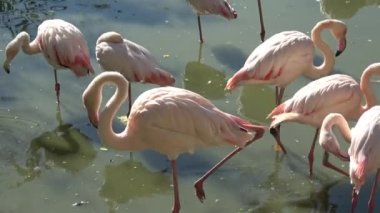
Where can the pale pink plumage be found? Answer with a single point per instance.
(62, 44)
(287, 55)
(212, 7)
(363, 151)
(169, 120)
(335, 93)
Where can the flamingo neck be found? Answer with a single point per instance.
(122, 140)
(23, 40)
(328, 56)
(369, 95)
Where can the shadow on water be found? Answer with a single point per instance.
(343, 9)
(131, 180)
(230, 56)
(64, 146)
(204, 79)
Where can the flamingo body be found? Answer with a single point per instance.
(133, 61)
(285, 56)
(168, 120)
(214, 7)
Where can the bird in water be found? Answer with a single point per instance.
(169, 120)
(62, 44)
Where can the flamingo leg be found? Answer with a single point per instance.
(177, 204)
(279, 94)
(371, 203)
(311, 152)
(274, 131)
(327, 164)
(354, 200)
(200, 29)
(57, 85)
(262, 33)
(198, 184)
(129, 99)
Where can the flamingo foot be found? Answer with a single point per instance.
(199, 190)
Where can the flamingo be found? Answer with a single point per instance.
(285, 56)
(134, 62)
(363, 150)
(62, 44)
(207, 7)
(169, 120)
(311, 104)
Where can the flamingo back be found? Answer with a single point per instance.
(64, 46)
(364, 146)
(133, 61)
(279, 60)
(216, 7)
(184, 122)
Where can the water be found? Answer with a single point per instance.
(55, 161)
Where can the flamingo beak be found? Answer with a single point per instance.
(341, 48)
(6, 68)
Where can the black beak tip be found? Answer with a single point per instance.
(338, 53)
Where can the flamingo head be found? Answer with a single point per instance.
(227, 11)
(339, 31)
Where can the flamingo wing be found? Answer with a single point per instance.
(64, 46)
(184, 120)
(133, 61)
(279, 60)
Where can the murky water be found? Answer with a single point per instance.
(53, 161)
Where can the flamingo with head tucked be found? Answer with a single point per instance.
(133, 61)
(62, 44)
(335, 93)
(169, 120)
(364, 149)
(285, 56)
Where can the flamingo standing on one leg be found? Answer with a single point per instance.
(364, 149)
(169, 120)
(62, 44)
(134, 62)
(216, 7)
(286, 55)
(335, 93)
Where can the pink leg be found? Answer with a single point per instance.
(177, 204)
(354, 201)
(262, 33)
(311, 152)
(371, 204)
(200, 29)
(199, 183)
(327, 164)
(57, 85)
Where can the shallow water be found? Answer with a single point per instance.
(51, 161)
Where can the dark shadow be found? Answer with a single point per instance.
(229, 56)
(131, 180)
(342, 9)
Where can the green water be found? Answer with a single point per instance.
(50, 161)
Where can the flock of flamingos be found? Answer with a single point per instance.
(174, 120)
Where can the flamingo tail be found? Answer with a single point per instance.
(277, 110)
(160, 77)
(236, 79)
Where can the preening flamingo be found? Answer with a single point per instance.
(364, 148)
(207, 7)
(311, 104)
(133, 61)
(169, 120)
(287, 55)
(62, 44)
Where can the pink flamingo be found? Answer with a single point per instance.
(134, 62)
(335, 93)
(287, 55)
(363, 151)
(62, 44)
(169, 120)
(216, 7)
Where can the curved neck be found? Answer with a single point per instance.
(328, 56)
(111, 139)
(327, 137)
(369, 95)
(23, 40)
